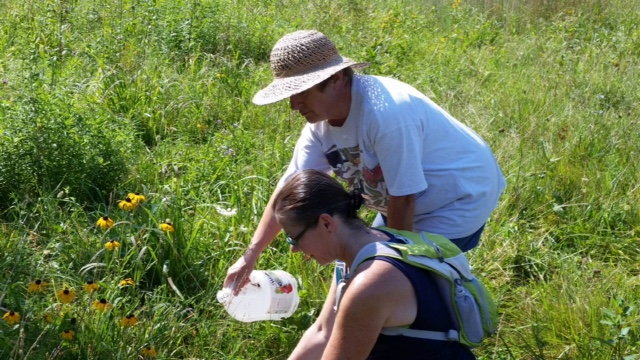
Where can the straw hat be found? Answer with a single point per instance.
(300, 60)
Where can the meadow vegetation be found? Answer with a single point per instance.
(104, 101)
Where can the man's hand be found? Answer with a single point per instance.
(238, 273)
(268, 228)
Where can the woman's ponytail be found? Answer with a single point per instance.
(355, 201)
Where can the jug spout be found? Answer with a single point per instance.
(224, 295)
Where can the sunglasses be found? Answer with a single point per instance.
(294, 240)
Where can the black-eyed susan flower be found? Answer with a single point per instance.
(102, 305)
(91, 286)
(11, 317)
(129, 320)
(167, 226)
(68, 334)
(111, 245)
(137, 197)
(37, 285)
(127, 204)
(66, 296)
(149, 352)
(127, 282)
(105, 223)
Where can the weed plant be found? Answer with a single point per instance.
(102, 101)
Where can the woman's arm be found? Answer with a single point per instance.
(315, 339)
(378, 296)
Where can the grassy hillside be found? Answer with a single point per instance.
(99, 100)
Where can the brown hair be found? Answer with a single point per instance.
(312, 193)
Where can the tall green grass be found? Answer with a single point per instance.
(164, 89)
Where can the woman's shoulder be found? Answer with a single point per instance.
(379, 278)
(381, 288)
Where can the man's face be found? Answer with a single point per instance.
(330, 100)
(314, 104)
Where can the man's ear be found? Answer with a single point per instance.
(337, 78)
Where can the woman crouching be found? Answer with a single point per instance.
(319, 218)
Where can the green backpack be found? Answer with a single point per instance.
(469, 303)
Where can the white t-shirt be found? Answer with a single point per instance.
(396, 141)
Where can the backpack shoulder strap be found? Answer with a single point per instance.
(368, 251)
(373, 250)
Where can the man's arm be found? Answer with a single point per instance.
(400, 153)
(267, 230)
(400, 212)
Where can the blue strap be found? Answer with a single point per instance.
(341, 275)
(339, 292)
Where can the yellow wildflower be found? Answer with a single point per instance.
(68, 334)
(66, 296)
(91, 286)
(48, 318)
(127, 282)
(111, 245)
(456, 3)
(149, 352)
(129, 320)
(105, 223)
(11, 317)
(127, 204)
(137, 197)
(102, 305)
(167, 226)
(37, 285)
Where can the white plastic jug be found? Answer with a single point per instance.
(270, 295)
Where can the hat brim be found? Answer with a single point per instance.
(282, 88)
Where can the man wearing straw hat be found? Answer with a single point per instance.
(415, 164)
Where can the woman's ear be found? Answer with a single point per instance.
(327, 221)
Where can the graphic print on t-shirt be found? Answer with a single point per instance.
(345, 163)
(375, 188)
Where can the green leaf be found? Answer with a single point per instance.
(624, 331)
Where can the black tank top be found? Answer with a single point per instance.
(432, 315)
